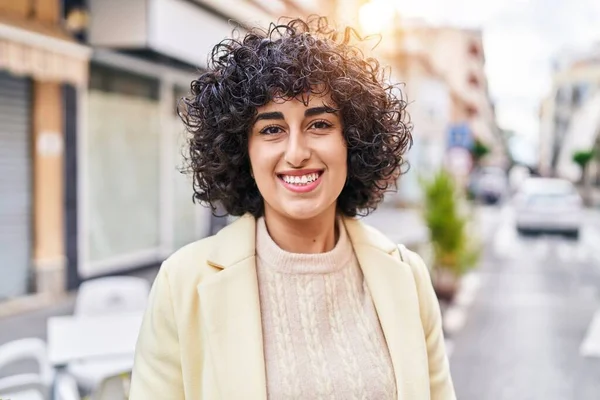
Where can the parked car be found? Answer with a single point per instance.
(548, 205)
(489, 185)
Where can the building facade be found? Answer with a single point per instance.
(569, 117)
(443, 71)
(41, 67)
(458, 54)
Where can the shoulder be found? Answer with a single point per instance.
(188, 265)
(415, 261)
(191, 264)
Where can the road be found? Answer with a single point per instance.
(522, 337)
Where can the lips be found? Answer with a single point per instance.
(301, 181)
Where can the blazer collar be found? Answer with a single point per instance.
(230, 306)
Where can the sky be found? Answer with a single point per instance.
(521, 40)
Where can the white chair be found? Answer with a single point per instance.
(105, 296)
(112, 295)
(26, 386)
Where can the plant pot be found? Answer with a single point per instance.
(445, 283)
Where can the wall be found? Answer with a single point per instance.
(48, 186)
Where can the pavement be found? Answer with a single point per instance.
(533, 317)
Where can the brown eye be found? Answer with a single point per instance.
(321, 125)
(271, 130)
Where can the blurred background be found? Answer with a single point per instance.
(502, 198)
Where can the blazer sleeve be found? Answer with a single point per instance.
(157, 370)
(440, 381)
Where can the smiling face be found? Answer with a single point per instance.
(298, 157)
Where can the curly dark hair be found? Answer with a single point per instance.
(288, 60)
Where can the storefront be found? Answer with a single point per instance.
(38, 59)
(135, 205)
(16, 195)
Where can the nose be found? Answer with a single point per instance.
(298, 150)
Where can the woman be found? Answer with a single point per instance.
(296, 132)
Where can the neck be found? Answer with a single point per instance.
(308, 236)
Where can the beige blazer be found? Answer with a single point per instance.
(201, 337)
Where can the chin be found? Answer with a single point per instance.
(303, 211)
(299, 214)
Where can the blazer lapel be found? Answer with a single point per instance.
(230, 307)
(394, 295)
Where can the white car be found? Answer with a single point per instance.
(548, 205)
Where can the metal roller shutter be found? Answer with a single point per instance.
(15, 185)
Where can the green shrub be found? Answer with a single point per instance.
(454, 248)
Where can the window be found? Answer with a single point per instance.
(474, 50)
(123, 157)
(473, 80)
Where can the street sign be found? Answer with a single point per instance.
(460, 135)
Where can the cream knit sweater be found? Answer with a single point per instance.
(322, 337)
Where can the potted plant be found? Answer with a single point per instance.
(455, 249)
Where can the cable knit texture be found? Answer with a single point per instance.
(322, 337)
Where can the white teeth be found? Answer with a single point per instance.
(300, 180)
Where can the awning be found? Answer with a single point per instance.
(44, 52)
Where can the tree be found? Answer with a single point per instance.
(479, 150)
(583, 159)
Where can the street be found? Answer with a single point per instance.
(523, 333)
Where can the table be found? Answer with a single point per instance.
(73, 338)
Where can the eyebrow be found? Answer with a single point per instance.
(269, 115)
(311, 112)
